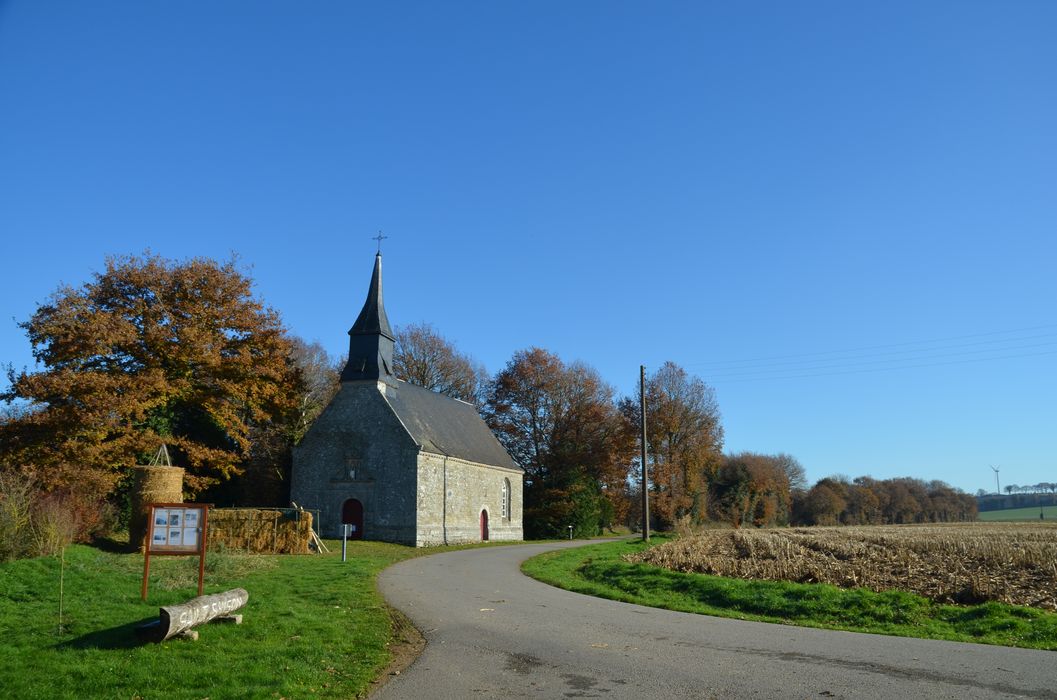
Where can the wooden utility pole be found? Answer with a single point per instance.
(642, 422)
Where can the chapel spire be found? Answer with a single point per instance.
(370, 338)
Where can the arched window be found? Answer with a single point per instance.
(505, 502)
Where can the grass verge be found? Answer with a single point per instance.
(599, 570)
(313, 627)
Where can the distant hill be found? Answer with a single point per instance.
(1014, 514)
(995, 501)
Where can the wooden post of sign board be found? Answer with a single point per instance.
(202, 550)
(146, 565)
(146, 551)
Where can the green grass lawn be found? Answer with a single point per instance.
(1014, 514)
(600, 571)
(313, 627)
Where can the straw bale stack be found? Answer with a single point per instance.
(152, 484)
(260, 530)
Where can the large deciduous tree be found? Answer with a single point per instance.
(825, 502)
(319, 373)
(150, 351)
(685, 437)
(751, 488)
(266, 479)
(424, 357)
(560, 423)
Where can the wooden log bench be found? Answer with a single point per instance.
(177, 620)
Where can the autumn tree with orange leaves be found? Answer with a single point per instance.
(685, 438)
(755, 489)
(560, 423)
(149, 351)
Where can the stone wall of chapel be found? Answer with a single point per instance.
(453, 492)
(358, 449)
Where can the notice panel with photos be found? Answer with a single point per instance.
(176, 529)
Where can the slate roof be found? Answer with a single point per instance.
(445, 426)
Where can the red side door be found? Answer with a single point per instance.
(352, 514)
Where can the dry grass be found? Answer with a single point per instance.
(968, 563)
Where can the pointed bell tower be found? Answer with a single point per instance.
(370, 338)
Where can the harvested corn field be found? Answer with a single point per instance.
(958, 563)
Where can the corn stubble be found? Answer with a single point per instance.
(971, 563)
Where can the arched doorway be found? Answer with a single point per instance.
(352, 514)
(484, 525)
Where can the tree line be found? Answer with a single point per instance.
(1041, 487)
(152, 350)
(867, 501)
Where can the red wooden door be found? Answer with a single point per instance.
(352, 514)
(484, 525)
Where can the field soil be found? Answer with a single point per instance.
(967, 563)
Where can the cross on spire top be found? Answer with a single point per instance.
(379, 238)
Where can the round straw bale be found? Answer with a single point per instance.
(153, 484)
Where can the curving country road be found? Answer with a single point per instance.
(493, 632)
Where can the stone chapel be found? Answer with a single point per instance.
(401, 463)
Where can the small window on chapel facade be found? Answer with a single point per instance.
(505, 503)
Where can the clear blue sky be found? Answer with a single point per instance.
(747, 189)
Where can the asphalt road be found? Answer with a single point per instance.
(493, 632)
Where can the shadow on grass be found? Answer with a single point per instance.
(120, 637)
(114, 545)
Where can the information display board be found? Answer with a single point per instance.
(176, 529)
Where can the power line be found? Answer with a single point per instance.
(839, 363)
(999, 343)
(765, 359)
(877, 369)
